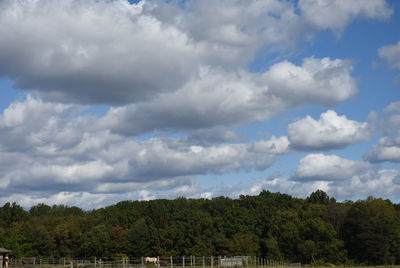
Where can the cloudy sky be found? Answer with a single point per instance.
(110, 100)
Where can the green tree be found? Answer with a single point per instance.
(140, 238)
(243, 244)
(372, 232)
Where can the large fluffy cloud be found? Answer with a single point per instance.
(66, 151)
(92, 51)
(217, 98)
(345, 178)
(342, 178)
(177, 69)
(320, 167)
(113, 52)
(330, 131)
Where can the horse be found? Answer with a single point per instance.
(153, 260)
(5, 262)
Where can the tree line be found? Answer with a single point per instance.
(317, 229)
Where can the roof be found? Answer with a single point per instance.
(4, 250)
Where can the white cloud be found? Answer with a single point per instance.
(381, 183)
(33, 122)
(114, 53)
(89, 200)
(390, 120)
(274, 145)
(330, 131)
(387, 149)
(95, 160)
(179, 69)
(322, 81)
(320, 167)
(253, 24)
(93, 51)
(393, 107)
(282, 185)
(216, 98)
(336, 15)
(373, 182)
(391, 54)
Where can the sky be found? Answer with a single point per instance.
(103, 101)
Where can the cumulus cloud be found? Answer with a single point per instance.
(93, 51)
(387, 149)
(336, 15)
(96, 167)
(32, 122)
(388, 146)
(391, 54)
(284, 185)
(322, 81)
(96, 160)
(96, 199)
(236, 23)
(384, 183)
(115, 53)
(218, 98)
(380, 183)
(162, 67)
(320, 167)
(330, 131)
(273, 145)
(390, 120)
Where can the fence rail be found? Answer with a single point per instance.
(172, 262)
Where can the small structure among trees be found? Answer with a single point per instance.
(4, 253)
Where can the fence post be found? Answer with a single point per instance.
(158, 261)
(142, 262)
(212, 261)
(203, 262)
(183, 261)
(172, 263)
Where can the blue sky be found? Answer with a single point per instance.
(103, 101)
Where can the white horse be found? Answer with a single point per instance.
(153, 260)
(5, 262)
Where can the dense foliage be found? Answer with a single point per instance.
(277, 226)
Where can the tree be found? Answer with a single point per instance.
(243, 244)
(140, 238)
(318, 197)
(372, 232)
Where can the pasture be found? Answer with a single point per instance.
(148, 262)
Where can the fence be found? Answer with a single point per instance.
(177, 262)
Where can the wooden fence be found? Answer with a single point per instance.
(172, 262)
